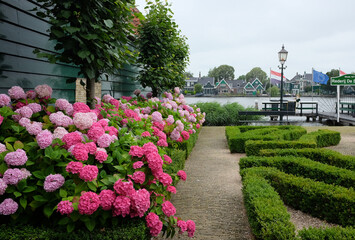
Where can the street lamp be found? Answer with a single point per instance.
(282, 58)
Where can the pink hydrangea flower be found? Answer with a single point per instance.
(60, 119)
(101, 156)
(8, 207)
(89, 173)
(53, 182)
(24, 112)
(146, 134)
(155, 162)
(190, 228)
(138, 164)
(59, 132)
(111, 130)
(80, 152)
(168, 208)
(74, 167)
(140, 203)
(107, 197)
(65, 207)
(121, 206)
(157, 117)
(162, 143)
(171, 189)
(12, 176)
(175, 134)
(71, 139)
(182, 225)
(103, 122)
(106, 98)
(197, 126)
(35, 107)
(83, 120)
(44, 139)
(35, 128)
(25, 173)
(16, 158)
(24, 122)
(104, 141)
(170, 120)
(43, 91)
(91, 147)
(149, 148)
(17, 93)
(154, 224)
(167, 159)
(182, 175)
(185, 135)
(31, 94)
(3, 186)
(81, 107)
(136, 151)
(96, 131)
(165, 179)
(1, 119)
(138, 177)
(2, 148)
(89, 202)
(4, 100)
(115, 102)
(124, 188)
(62, 104)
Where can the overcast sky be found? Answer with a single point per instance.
(250, 33)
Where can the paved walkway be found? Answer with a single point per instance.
(211, 195)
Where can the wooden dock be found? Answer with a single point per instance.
(332, 117)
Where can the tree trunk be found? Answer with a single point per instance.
(90, 92)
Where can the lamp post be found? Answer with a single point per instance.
(282, 58)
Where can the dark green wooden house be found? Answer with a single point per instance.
(21, 31)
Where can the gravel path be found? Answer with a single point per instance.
(211, 195)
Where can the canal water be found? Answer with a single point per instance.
(325, 104)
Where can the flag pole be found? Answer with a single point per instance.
(312, 84)
(270, 84)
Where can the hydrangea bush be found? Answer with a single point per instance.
(70, 165)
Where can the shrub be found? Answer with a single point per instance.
(323, 137)
(268, 217)
(83, 167)
(333, 203)
(334, 233)
(322, 155)
(304, 167)
(223, 115)
(237, 138)
(253, 147)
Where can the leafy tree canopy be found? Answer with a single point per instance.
(198, 88)
(242, 77)
(256, 72)
(274, 91)
(222, 72)
(92, 34)
(188, 75)
(163, 51)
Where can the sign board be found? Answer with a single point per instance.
(347, 79)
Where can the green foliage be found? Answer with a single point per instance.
(223, 115)
(322, 155)
(163, 51)
(305, 167)
(133, 229)
(268, 217)
(274, 91)
(91, 34)
(198, 88)
(225, 72)
(256, 72)
(334, 233)
(237, 139)
(323, 137)
(335, 204)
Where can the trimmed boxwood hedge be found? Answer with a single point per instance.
(304, 167)
(268, 217)
(333, 203)
(333, 233)
(253, 147)
(237, 136)
(134, 229)
(322, 155)
(323, 137)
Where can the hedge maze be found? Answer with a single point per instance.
(287, 165)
